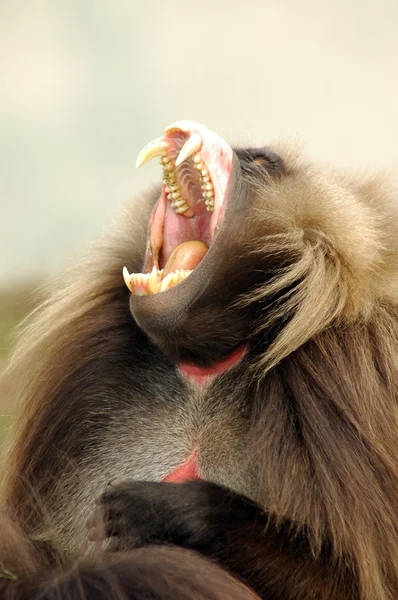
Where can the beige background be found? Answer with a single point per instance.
(84, 84)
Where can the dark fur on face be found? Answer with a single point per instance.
(299, 439)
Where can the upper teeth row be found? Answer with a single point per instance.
(207, 186)
(159, 147)
(172, 188)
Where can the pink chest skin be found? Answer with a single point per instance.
(188, 471)
(185, 472)
(204, 375)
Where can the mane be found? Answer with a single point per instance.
(326, 410)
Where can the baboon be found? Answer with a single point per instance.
(235, 395)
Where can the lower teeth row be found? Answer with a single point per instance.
(145, 284)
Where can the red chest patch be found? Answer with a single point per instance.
(204, 375)
(186, 472)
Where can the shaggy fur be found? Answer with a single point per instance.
(306, 426)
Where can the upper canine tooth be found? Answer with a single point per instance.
(156, 148)
(191, 146)
(127, 278)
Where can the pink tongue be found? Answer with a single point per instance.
(186, 256)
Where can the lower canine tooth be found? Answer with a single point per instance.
(153, 281)
(127, 278)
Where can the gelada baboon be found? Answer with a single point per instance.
(228, 421)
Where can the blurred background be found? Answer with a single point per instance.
(84, 85)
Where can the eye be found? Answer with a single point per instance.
(254, 159)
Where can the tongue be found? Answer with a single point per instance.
(186, 256)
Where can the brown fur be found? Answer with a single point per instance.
(155, 573)
(314, 407)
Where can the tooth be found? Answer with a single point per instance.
(165, 283)
(178, 203)
(175, 195)
(127, 278)
(206, 179)
(191, 146)
(199, 166)
(156, 148)
(153, 281)
(197, 158)
(204, 172)
(209, 194)
(180, 210)
(168, 167)
(208, 186)
(175, 188)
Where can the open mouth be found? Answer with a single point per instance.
(196, 167)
